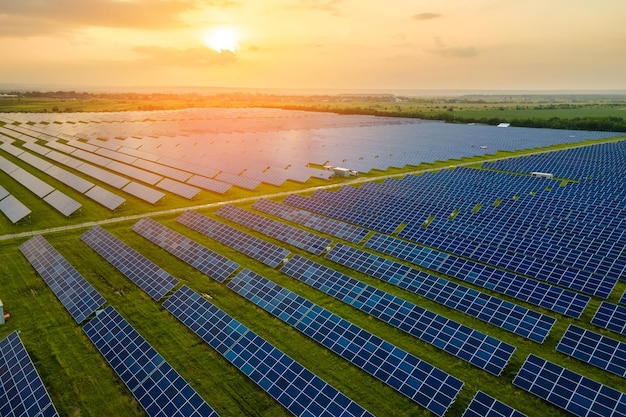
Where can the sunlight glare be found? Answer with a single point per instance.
(221, 39)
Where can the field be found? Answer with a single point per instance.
(82, 384)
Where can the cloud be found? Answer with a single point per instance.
(462, 52)
(192, 57)
(328, 6)
(454, 52)
(36, 17)
(426, 16)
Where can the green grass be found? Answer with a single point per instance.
(82, 384)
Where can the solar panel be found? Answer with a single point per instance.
(145, 193)
(568, 390)
(209, 184)
(35, 161)
(114, 180)
(483, 405)
(155, 281)
(34, 184)
(259, 249)
(203, 259)
(71, 180)
(611, 316)
(3, 192)
(63, 203)
(342, 230)
(7, 166)
(104, 197)
(22, 392)
(78, 296)
(166, 171)
(292, 385)
(157, 386)
(557, 299)
(595, 349)
(297, 237)
(425, 384)
(472, 346)
(623, 299)
(504, 314)
(134, 172)
(178, 188)
(13, 209)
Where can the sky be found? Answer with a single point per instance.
(316, 44)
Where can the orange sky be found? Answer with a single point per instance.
(319, 44)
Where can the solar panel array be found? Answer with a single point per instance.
(252, 246)
(568, 390)
(22, 392)
(342, 230)
(425, 384)
(76, 294)
(509, 316)
(541, 294)
(155, 281)
(611, 316)
(285, 233)
(596, 349)
(292, 385)
(472, 346)
(623, 299)
(483, 405)
(203, 259)
(157, 386)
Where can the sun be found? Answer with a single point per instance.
(221, 39)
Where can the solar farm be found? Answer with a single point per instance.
(209, 262)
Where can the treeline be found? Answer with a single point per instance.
(608, 123)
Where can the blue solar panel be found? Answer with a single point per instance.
(22, 392)
(157, 386)
(203, 259)
(342, 230)
(538, 293)
(477, 348)
(285, 233)
(568, 390)
(483, 405)
(418, 380)
(293, 386)
(259, 249)
(611, 316)
(623, 299)
(149, 277)
(509, 316)
(76, 294)
(595, 349)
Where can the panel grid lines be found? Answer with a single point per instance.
(595, 349)
(568, 390)
(153, 382)
(203, 259)
(407, 374)
(285, 233)
(153, 280)
(474, 347)
(504, 314)
(539, 293)
(292, 385)
(483, 405)
(259, 249)
(22, 392)
(76, 294)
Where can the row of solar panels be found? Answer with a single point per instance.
(155, 384)
(168, 238)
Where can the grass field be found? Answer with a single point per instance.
(82, 384)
